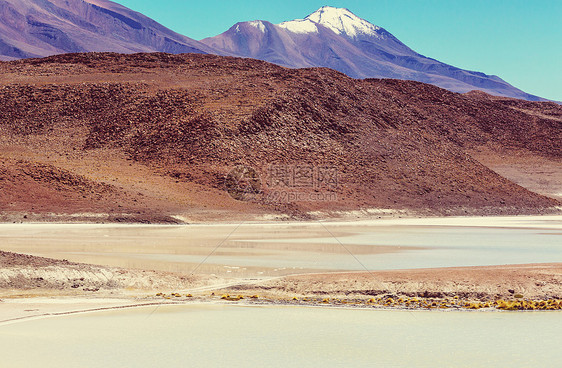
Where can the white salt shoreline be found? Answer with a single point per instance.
(527, 221)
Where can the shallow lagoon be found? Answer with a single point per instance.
(251, 250)
(237, 336)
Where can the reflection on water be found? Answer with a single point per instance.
(428, 247)
(219, 336)
(280, 249)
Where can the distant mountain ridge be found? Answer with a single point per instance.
(330, 37)
(37, 28)
(338, 39)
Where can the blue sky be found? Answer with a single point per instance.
(520, 41)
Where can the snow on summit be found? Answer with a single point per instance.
(343, 22)
(258, 24)
(339, 20)
(300, 26)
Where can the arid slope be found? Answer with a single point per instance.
(150, 136)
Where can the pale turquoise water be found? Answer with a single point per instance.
(234, 336)
(455, 246)
(275, 249)
(427, 247)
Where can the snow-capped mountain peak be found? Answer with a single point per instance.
(338, 39)
(343, 22)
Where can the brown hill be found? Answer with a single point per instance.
(146, 136)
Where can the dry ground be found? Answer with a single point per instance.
(28, 276)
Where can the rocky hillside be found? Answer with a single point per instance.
(150, 136)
